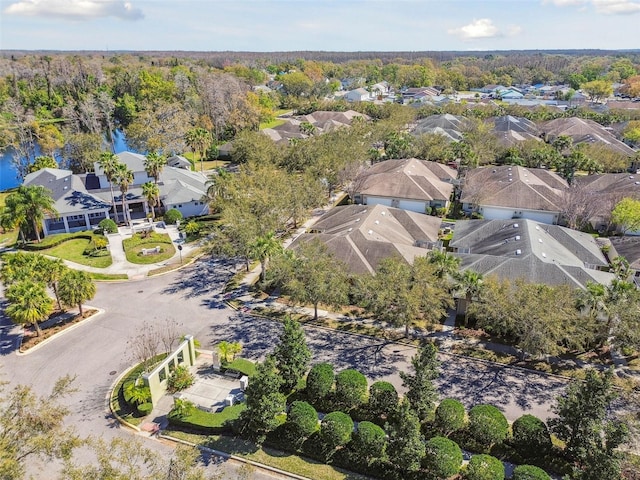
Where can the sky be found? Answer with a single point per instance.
(329, 25)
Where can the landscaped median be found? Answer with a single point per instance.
(147, 248)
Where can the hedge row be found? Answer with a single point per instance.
(55, 241)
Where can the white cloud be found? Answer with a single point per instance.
(608, 7)
(616, 7)
(478, 28)
(565, 3)
(75, 9)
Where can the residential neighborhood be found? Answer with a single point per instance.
(318, 267)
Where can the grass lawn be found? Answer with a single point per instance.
(268, 456)
(108, 276)
(7, 237)
(73, 250)
(200, 418)
(206, 165)
(133, 248)
(242, 365)
(273, 123)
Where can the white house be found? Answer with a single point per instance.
(357, 95)
(502, 193)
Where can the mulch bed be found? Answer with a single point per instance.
(30, 339)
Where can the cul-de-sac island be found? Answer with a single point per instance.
(319, 264)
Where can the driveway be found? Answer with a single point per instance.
(96, 353)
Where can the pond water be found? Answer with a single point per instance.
(9, 175)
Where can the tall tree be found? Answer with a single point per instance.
(405, 447)
(199, 140)
(75, 287)
(404, 295)
(123, 176)
(51, 270)
(28, 303)
(28, 206)
(154, 163)
(583, 423)
(264, 401)
(150, 192)
(311, 274)
(470, 283)
(109, 164)
(263, 248)
(626, 215)
(421, 392)
(33, 427)
(292, 355)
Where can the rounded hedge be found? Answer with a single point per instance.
(145, 408)
(336, 429)
(383, 398)
(108, 226)
(443, 457)
(319, 381)
(487, 425)
(351, 388)
(531, 436)
(302, 420)
(449, 416)
(484, 467)
(172, 216)
(529, 472)
(369, 441)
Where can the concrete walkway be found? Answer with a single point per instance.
(121, 266)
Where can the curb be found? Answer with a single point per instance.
(99, 311)
(120, 420)
(236, 458)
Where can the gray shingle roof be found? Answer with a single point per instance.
(362, 235)
(536, 252)
(67, 190)
(409, 179)
(514, 187)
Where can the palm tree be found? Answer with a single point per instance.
(28, 303)
(30, 205)
(151, 191)
(218, 187)
(75, 287)
(18, 266)
(199, 140)
(109, 163)
(154, 164)
(470, 282)
(50, 270)
(263, 248)
(445, 265)
(123, 176)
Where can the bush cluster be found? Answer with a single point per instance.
(180, 379)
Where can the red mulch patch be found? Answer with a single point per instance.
(30, 339)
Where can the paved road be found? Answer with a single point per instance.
(96, 352)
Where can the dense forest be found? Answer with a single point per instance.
(70, 103)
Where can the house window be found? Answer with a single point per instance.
(179, 206)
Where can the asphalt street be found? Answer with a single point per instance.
(96, 352)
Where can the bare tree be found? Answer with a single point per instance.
(580, 205)
(169, 333)
(354, 176)
(146, 345)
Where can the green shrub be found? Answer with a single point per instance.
(484, 467)
(336, 429)
(351, 388)
(369, 441)
(449, 416)
(531, 436)
(487, 425)
(136, 394)
(383, 398)
(302, 422)
(443, 457)
(172, 216)
(319, 381)
(180, 379)
(182, 408)
(242, 366)
(529, 472)
(108, 226)
(145, 409)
